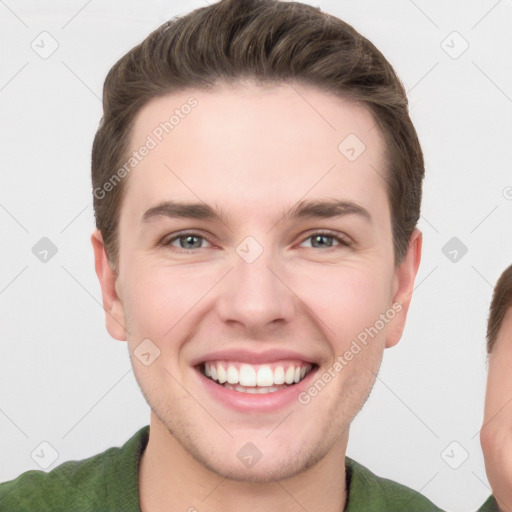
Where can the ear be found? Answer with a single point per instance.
(403, 285)
(114, 311)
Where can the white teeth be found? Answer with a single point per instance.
(221, 374)
(247, 375)
(279, 375)
(252, 390)
(290, 373)
(265, 376)
(232, 375)
(252, 379)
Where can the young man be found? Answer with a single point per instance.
(257, 184)
(495, 432)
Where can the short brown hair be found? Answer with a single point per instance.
(267, 41)
(501, 302)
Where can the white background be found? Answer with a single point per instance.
(66, 382)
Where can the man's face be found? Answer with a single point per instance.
(495, 432)
(258, 294)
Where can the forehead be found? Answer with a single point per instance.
(246, 145)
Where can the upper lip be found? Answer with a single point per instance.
(246, 356)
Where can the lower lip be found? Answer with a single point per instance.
(249, 402)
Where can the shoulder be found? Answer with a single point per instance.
(80, 484)
(369, 492)
(81, 480)
(490, 505)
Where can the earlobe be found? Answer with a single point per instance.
(112, 305)
(405, 275)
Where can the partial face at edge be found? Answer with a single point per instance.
(265, 288)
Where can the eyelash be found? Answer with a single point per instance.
(342, 240)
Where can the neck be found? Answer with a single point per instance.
(171, 479)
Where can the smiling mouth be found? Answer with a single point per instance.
(255, 379)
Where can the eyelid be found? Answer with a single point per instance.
(341, 238)
(168, 239)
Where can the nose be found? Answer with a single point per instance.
(256, 296)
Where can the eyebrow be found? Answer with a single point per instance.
(326, 209)
(321, 209)
(178, 210)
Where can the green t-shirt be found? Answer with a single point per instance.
(489, 506)
(108, 482)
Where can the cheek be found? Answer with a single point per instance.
(158, 299)
(348, 300)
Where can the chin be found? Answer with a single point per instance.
(266, 469)
(263, 472)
